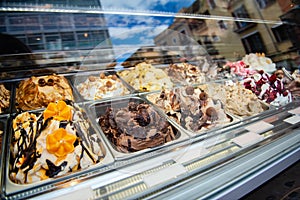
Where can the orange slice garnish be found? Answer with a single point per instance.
(60, 142)
(59, 111)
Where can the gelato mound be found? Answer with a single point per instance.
(294, 85)
(185, 73)
(294, 88)
(38, 92)
(236, 99)
(269, 89)
(259, 62)
(145, 77)
(4, 98)
(239, 68)
(103, 86)
(52, 144)
(191, 107)
(135, 127)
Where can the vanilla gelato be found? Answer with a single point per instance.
(236, 99)
(102, 86)
(145, 77)
(259, 62)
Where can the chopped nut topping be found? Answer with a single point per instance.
(203, 96)
(114, 77)
(102, 75)
(92, 78)
(108, 84)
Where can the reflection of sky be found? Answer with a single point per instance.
(157, 5)
(130, 29)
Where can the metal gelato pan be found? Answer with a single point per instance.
(46, 152)
(99, 85)
(132, 127)
(6, 91)
(192, 110)
(3, 136)
(145, 77)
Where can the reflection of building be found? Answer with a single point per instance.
(153, 55)
(270, 38)
(43, 31)
(222, 37)
(292, 31)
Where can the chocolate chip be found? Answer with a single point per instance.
(108, 84)
(143, 117)
(50, 82)
(194, 69)
(203, 96)
(102, 75)
(211, 112)
(163, 95)
(92, 78)
(41, 82)
(189, 90)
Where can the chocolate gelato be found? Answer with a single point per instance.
(135, 127)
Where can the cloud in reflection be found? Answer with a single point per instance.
(139, 30)
(157, 5)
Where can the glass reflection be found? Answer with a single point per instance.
(226, 29)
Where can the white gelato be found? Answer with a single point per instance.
(99, 87)
(145, 77)
(259, 62)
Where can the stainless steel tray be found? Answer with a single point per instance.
(3, 137)
(52, 183)
(9, 86)
(98, 109)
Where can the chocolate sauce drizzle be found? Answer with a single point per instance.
(27, 150)
(27, 146)
(53, 169)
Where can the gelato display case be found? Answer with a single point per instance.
(193, 99)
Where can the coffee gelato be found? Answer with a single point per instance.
(38, 92)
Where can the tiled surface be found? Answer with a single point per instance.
(284, 186)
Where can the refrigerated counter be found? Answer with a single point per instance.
(79, 41)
